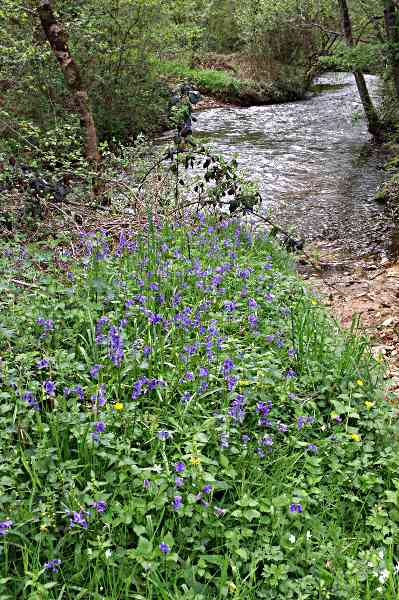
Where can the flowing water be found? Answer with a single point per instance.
(316, 168)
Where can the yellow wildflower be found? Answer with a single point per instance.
(195, 460)
(369, 405)
(314, 302)
(359, 382)
(355, 437)
(118, 406)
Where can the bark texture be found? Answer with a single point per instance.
(58, 40)
(374, 124)
(392, 31)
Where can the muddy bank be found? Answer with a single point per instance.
(363, 290)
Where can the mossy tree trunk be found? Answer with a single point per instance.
(392, 31)
(373, 121)
(58, 40)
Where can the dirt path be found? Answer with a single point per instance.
(368, 288)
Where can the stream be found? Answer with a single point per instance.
(315, 166)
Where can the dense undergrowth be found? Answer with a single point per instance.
(234, 87)
(180, 418)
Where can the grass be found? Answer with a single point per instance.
(221, 84)
(181, 419)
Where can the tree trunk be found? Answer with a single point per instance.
(392, 31)
(374, 124)
(58, 40)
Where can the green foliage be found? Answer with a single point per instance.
(367, 58)
(215, 318)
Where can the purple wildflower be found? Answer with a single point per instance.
(224, 440)
(282, 428)
(252, 304)
(231, 382)
(47, 325)
(207, 489)
(236, 409)
(230, 306)
(303, 420)
(53, 565)
(79, 391)
(179, 482)
(177, 503)
(292, 352)
(264, 408)
(102, 321)
(146, 484)
(219, 512)
(79, 518)
(5, 526)
(94, 371)
(99, 505)
(115, 346)
(42, 364)
(30, 399)
(164, 548)
(295, 507)
(203, 372)
(290, 374)
(99, 398)
(267, 441)
(227, 366)
(312, 448)
(164, 435)
(186, 397)
(245, 439)
(180, 467)
(100, 427)
(253, 321)
(49, 387)
(260, 453)
(146, 350)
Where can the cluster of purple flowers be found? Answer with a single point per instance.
(31, 400)
(115, 346)
(99, 427)
(46, 324)
(53, 565)
(5, 526)
(99, 506)
(144, 385)
(236, 409)
(79, 518)
(99, 398)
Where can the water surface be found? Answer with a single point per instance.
(316, 168)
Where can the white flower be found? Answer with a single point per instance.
(381, 554)
(108, 553)
(308, 535)
(383, 576)
(292, 538)
(396, 567)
